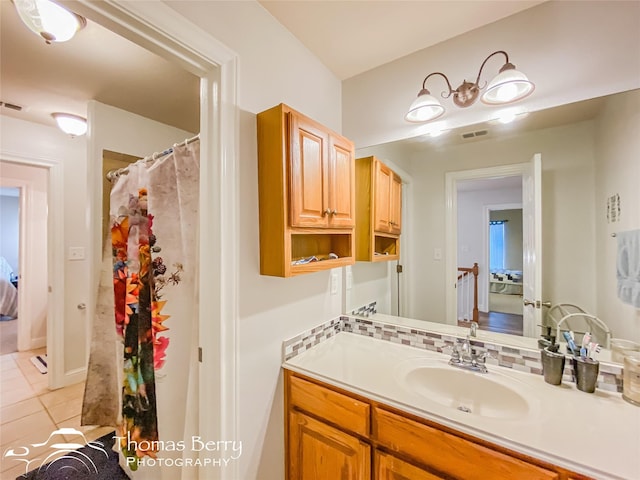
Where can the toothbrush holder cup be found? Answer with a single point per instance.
(552, 366)
(586, 372)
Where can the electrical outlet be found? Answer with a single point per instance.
(334, 283)
(349, 280)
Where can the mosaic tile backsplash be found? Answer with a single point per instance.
(524, 360)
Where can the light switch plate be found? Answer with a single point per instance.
(76, 253)
(437, 254)
(334, 283)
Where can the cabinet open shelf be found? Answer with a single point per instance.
(386, 247)
(320, 245)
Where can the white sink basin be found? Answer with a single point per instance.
(483, 394)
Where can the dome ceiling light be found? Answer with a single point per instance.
(49, 20)
(73, 125)
(510, 85)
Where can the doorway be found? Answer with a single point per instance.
(454, 230)
(156, 25)
(503, 225)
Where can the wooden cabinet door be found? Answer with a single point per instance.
(395, 205)
(381, 205)
(341, 183)
(320, 452)
(308, 168)
(388, 467)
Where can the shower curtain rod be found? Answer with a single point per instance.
(114, 174)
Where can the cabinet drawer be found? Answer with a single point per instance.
(333, 407)
(388, 467)
(449, 453)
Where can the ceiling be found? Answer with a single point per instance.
(95, 65)
(351, 37)
(98, 64)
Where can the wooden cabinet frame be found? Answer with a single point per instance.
(400, 443)
(306, 183)
(379, 211)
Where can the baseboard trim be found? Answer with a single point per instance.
(74, 376)
(39, 342)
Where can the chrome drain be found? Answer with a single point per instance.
(464, 409)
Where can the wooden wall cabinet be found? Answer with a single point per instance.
(331, 433)
(306, 181)
(379, 211)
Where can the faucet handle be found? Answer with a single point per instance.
(473, 329)
(455, 353)
(482, 358)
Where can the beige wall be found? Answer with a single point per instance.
(617, 155)
(568, 212)
(593, 43)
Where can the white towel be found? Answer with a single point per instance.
(628, 267)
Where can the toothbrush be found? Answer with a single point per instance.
(593, 349)
(584, 350)
(570, 342)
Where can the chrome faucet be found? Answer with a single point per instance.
(467, 359)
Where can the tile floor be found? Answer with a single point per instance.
(30, 412)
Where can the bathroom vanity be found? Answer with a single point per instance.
(363, 408)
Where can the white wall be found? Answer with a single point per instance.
(617, 157)
(39, 143)
(372, 282)
(571, 51)
(273, 67)
(10, 234)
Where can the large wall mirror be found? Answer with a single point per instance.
(589, 154)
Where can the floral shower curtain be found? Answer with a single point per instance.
(143, 364)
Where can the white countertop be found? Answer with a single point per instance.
(595, 434)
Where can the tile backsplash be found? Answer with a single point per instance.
(524, 360)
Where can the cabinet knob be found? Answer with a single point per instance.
(326, 212)
(334, 211)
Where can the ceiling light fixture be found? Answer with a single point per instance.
(510, 85)
(49, 20)
(73, 125)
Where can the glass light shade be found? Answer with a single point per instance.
(510, 85)
(424, 108)
(49, 20)
(71, 124)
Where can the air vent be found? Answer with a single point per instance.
(11, 106)
(479, 133)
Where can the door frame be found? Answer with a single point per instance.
(55, 262)
(160, 29)
(451, 224)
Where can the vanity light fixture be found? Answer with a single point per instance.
(510, 85)
(49, 20)
(73, 125)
